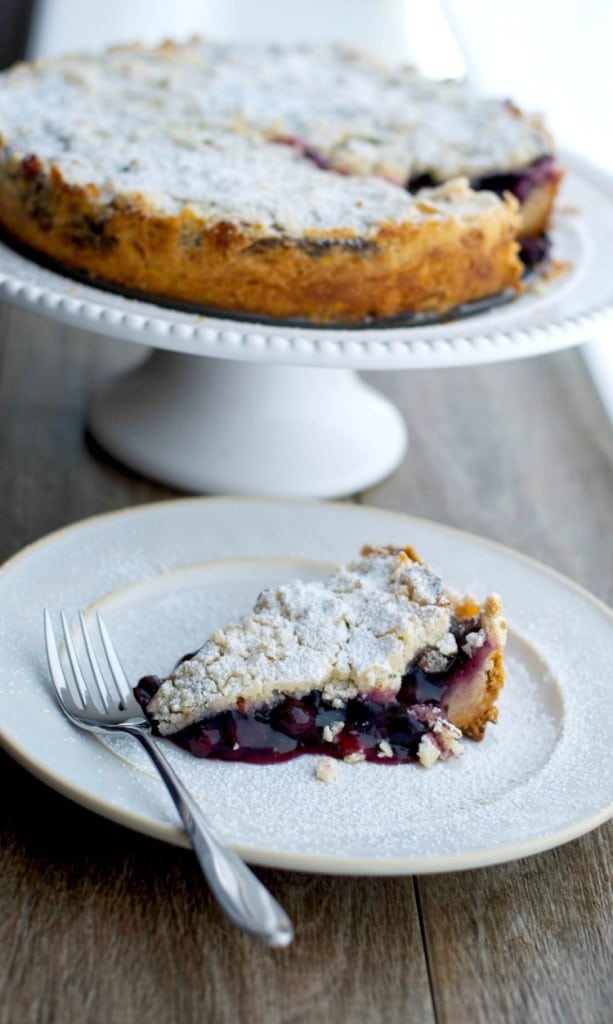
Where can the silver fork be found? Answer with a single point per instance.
(92, 704)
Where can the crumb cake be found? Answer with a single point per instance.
(310, 183)
(380, 662)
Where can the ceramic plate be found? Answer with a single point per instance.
(166, 574)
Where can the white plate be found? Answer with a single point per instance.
(165, 574)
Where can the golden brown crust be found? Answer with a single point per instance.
(473, 725)
(425, 267)
(389, 549)
(535, 211)
(470, 710)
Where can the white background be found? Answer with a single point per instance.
(552, 55)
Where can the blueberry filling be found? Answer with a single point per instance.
(302, 725)
(31, 166)
(420, 686)
(519, 182)
(386, 733)
(419, 181)
(535, 250)
(307, 151)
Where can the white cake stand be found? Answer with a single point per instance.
(280, 410)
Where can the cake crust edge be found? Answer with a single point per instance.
(429, 266)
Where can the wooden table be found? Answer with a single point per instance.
(100, 924)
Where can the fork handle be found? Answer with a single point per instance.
(241, 895)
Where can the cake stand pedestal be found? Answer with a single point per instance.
(277, 409)
(216, 425)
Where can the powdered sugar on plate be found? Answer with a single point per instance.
(156, 622)
(165, 576)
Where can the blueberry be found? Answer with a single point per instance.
(293, 717)
(534, 250)
(420, 181)
(146, 688)
(404, 730)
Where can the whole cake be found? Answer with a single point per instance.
(316, 183)
(380, 662)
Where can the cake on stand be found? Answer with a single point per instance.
(247, 407)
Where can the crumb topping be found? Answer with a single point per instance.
(326, 770)
(330, 732)
(355, 758)
(442, 741)
(473, 642)
(351, 635)
(282, 140)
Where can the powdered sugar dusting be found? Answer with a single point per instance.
(351, 635)
(542, 775)
(378, 801)
(222, 131)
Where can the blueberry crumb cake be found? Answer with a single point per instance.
(312, 183)
(380, 662)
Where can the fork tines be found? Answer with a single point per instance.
(83, 688)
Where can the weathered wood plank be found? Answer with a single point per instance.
(527, 941)
(100, 924)
(97, 923)
(48, 476)
(521, 453)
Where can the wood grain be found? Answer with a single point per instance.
(526, 457)
(520, 452)
(528, 941)
(100, 924)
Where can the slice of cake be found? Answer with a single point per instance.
(380, 662)
(317, 184)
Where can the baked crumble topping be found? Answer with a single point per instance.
(326, 769)
(316, 184)
(380, 662)
(242, 132)
(352, 635)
